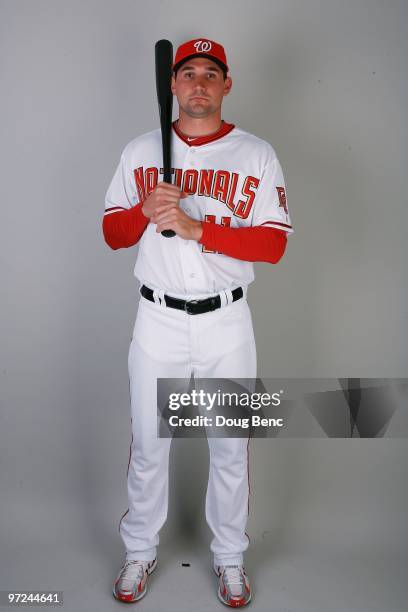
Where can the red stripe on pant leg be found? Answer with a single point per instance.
(249, 486)
(123, 516)
(130, 456)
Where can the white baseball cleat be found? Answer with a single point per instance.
(131, 582)
(233, 585)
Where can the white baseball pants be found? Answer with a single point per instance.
(170, 343)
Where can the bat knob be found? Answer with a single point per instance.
(168, 233)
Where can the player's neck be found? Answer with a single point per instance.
(205, 126)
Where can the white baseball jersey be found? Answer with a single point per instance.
(232, 177)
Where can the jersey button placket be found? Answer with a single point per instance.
(189, 163)
(184, 244)
(189, 270)
(184, 250)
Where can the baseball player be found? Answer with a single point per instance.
(227, 206)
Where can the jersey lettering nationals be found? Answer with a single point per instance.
(220, 185)
(232, 178)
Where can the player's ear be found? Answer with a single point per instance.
(173, 84)
(227, 85)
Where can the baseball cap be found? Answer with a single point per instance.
(201, 47)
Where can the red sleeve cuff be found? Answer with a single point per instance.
(124, 228)
(207, 237)
(257, 243)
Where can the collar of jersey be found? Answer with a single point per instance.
(201, 140)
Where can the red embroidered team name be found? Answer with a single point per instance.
(220, 185)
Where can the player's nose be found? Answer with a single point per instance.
(200, 82)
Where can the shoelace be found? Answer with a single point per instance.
(133, 570)
(232, 575)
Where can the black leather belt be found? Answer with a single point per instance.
(192, 306)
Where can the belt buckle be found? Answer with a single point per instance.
(188, 304)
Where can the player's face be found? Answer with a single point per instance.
(200, 87)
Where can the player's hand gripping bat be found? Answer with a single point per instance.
(164, 61)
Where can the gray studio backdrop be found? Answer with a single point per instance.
(325, 83)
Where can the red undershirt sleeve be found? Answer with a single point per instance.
(248, 243)
(124, 228)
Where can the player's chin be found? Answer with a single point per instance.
(197, 114)
(197, 109)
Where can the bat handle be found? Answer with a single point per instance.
(168, 233)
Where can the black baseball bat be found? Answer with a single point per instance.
(164, 61)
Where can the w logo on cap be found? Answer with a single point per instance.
(202, 46)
